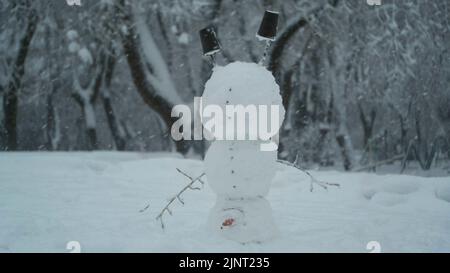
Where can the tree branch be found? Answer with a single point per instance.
(322, 184)
(286, 35)
(189, 186)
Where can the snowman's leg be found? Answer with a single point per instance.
(213, 60)
(266, 52)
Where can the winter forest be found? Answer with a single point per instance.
(356, 79)
(85, 90)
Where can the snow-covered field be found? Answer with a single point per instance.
(49, 199)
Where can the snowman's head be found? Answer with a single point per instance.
(249, 101)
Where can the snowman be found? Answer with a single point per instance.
(240, 172)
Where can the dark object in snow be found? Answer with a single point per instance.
(209, 40)
(227, 223)
(268, 28)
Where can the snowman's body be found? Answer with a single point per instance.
(244, 171)
(237, 170)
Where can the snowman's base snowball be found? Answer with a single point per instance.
(243, 220)
(238, 169)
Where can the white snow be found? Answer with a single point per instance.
(74, 47)
(245, 84)
(89, 115)
(49, 199)
(72, 34)
(174, 29)
(183, 38)
(85, 55)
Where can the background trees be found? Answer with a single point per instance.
(361, 84)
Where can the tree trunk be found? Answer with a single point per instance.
(53, 127)
(118, 133)
(90, 123)
(86, 98)
(10, 99)
(135, 59)
(345, 151)
(367, 124)
(287, 34)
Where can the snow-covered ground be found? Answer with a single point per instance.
(49, 199)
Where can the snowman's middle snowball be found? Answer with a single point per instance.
(238, 169)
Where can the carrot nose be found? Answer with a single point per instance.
(228, 222)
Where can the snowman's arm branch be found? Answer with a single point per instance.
(190, 178)
(189, 186)
(321, 184)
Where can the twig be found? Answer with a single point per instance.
(144, 209)
(322, 184)
(190, 178)
(189, 186)
(380, 163)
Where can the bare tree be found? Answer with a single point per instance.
(148, 69)
(85, 95)
(13, 86)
